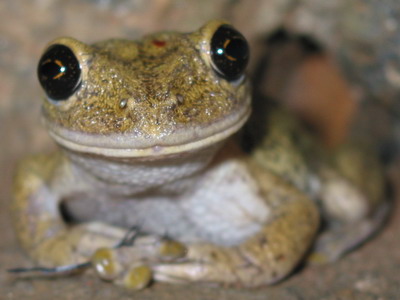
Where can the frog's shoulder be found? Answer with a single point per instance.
(282, 145)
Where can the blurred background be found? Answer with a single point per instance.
(353, 86)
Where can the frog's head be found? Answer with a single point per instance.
(166, 93)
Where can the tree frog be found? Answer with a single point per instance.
(146, 131)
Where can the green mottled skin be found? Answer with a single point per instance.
(148, 123)
(179, 92)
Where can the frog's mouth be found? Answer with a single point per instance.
(133, 145)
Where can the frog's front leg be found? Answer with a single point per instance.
(247, 239)
(39, 185)
(264, 258)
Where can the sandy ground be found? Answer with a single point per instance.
(371, 272)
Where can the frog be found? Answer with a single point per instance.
(149, 144)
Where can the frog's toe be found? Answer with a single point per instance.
(137, 278)
(106, 264)
(76, 244)
(109, 268)
(186, 272)
(202, 263)
(335, 242)
(332, 245)
(130, 266)
(182, 272)
(96, 235)
(198, 271)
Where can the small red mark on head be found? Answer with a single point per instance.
(159, 43)
(280, 257)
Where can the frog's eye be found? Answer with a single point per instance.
(59, 72)
(229, 52)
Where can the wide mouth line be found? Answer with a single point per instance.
(131, 146)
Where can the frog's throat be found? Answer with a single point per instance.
(130, 145)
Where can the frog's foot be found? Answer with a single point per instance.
(76, 244)
(240, 266)
(131, 265)
(212, 264)
(155, 258)
(337, 241)
(264, 258)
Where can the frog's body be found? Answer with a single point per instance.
(143, 133)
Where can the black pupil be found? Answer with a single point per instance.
(52, 69)
(59, 72)
(229, 52)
